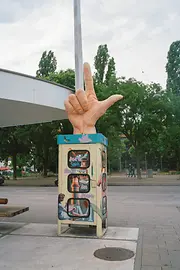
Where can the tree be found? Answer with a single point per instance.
(105, 66)
(47, 64)
(44, 143)
(111, 71)
(64, 77)
(169, 141)
(173, 68)
(170, 138)
(100, 63)
(14, 141)
(140, 116)
(106, 82)
(43, 135)
(105, 126)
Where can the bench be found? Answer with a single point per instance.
(10, 211)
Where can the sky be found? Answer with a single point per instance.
(138, 34)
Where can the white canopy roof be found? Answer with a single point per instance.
(28, 100)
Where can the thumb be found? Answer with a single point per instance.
(110, 101)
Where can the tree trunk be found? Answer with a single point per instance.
(177, 159)
(45, 170)
(45, 162)
(14, 156)
(138, 164)
(178, 165)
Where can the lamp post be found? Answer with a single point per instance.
(79, 82)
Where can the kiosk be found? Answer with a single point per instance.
(82, 181)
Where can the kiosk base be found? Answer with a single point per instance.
(81, 232)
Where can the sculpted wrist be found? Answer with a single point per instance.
(88, 130)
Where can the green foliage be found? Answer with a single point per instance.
(14, 141)
(66, 78)
(105, 66)
(111, 71)
(173, 68)
(47, 64)
(140, 116)
(43, 136)
(100, 63)
(169, 140)
(148, 116)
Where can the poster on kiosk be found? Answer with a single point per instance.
(82, 197)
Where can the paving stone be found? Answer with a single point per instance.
(173, 247)
(172, 268)
(175, 258)
(158, 220)
(151, 259)
(138, 260)
(150, 249)
(165, 257)
(151, 241)
(151, 245)
(8, 227)
(22, 252)
(151, 268)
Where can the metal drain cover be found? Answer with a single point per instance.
(113, 254)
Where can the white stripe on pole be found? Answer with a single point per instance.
(79, 82)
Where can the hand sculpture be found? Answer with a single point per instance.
(83, 107)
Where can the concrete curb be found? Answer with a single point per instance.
(144, 184)
(109, 184)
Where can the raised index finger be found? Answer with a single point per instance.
(89, 85)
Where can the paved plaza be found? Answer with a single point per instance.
(36, 246)
(113, 180)
(155, 210)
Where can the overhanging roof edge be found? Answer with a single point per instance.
(34, 78)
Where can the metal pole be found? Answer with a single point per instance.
(79, 82)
